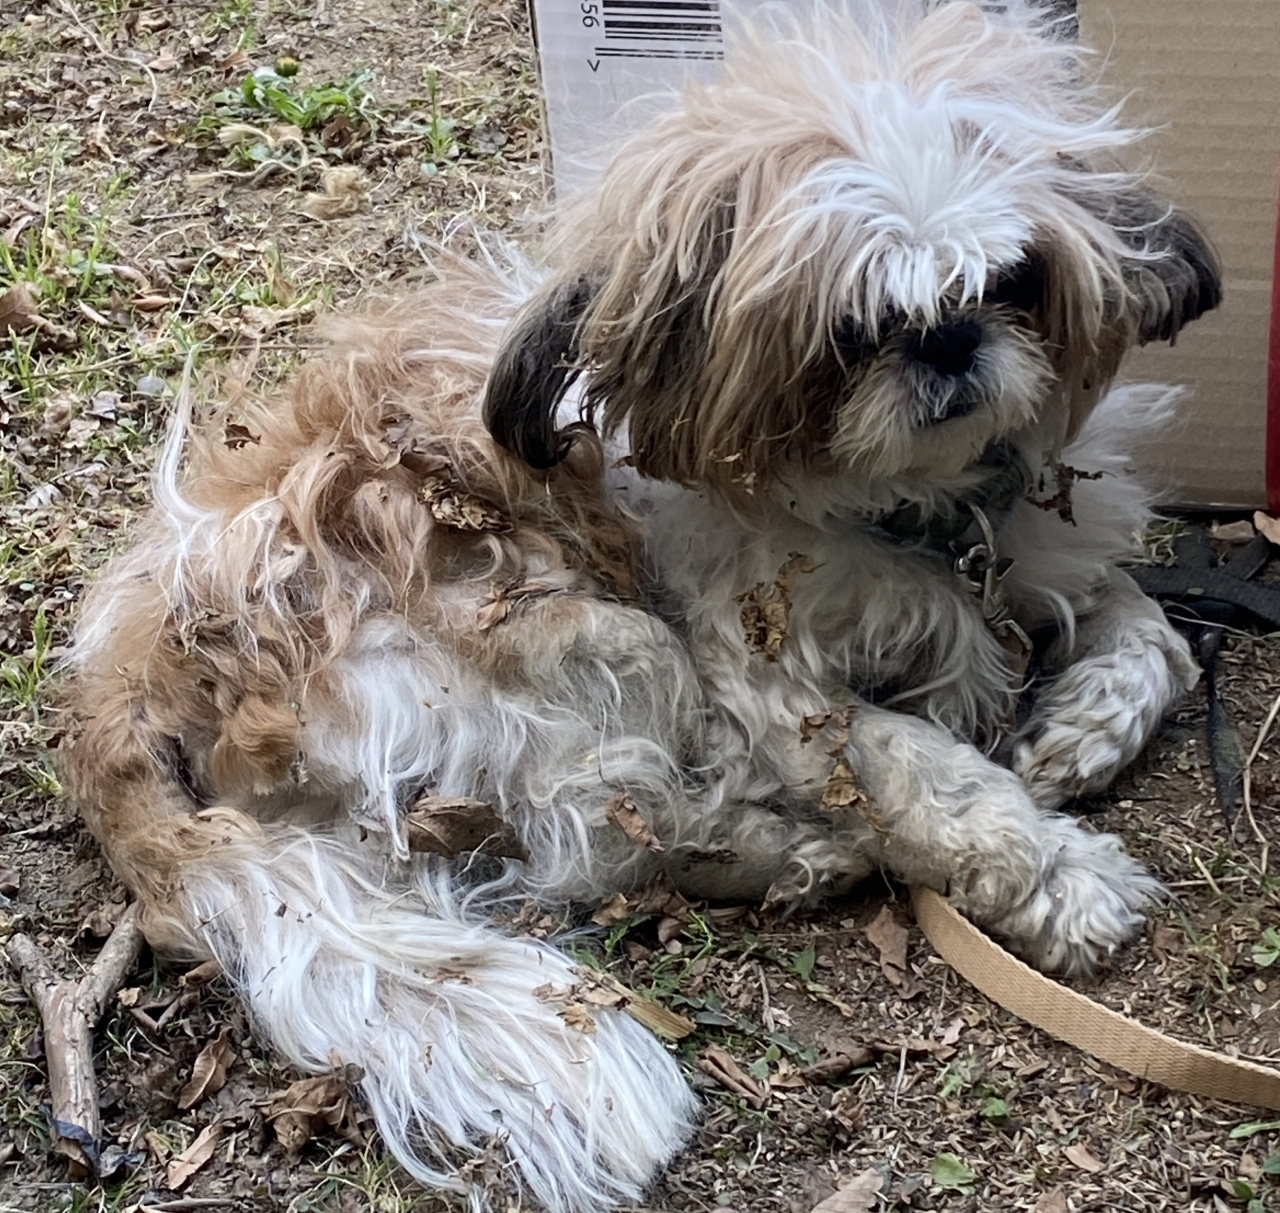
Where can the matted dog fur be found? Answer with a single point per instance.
(704, 525)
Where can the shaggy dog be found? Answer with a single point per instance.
(764, 539)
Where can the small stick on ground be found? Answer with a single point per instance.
(70, 1011)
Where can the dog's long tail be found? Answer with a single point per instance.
(464, 1034)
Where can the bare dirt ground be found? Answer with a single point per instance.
(159, 208)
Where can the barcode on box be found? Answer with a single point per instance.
(661, 29)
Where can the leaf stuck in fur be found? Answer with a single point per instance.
(766, 609)
(579, 1018)
(186, 1164)
(621, 811)
(209, 1074)
(842, 790)
(459, 510)
(456, 825)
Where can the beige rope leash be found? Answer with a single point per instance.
(1080, 1021)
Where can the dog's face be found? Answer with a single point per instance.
(862, 255)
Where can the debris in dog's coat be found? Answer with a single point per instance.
(766, 608)
(455, 825)
(453, 507)
(622, 811)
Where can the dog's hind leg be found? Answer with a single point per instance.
(944, 815)
(1122, 671)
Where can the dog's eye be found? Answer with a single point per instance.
(851, 341)
(1020, 287)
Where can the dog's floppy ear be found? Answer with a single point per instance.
(1178, 277)
(536, 364)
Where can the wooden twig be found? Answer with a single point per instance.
(70, 1011)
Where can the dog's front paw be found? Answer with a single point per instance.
(1096, 718)
(1089, 903)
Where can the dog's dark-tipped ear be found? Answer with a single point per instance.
(1178, 277)
(536, 364)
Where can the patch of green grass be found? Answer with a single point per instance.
(22, 676)
(265, 92)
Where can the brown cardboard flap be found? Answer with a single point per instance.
(1210, 71)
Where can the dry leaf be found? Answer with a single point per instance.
(766, 609)
(101, 920)
(621, 811)
(1052, 1202)
(833, 1066)
(194, 1157)
(209, 1073)
(612, 911)
(889, 938)
(20, 313)
(302, 1110)
(10, 882)
(456, 825)
(1166, 941)
(458, 509)
(151, 303)
(1079, 1154)
(578, 1017)
(843, 790)
(206, 970)
(720, 1065)
(493, 613)
(856, 1195)
(163, 62)
(235, 436)
(1268, 526)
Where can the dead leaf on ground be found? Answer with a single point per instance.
(836, 1064)
(719, 1064)
(1079, 1154)
(612, 911)
(766, 609)
(889, 938)
(457, 825)
(621, 811)
(856, 1195)
(209, 1073)
(206, 970)
(345, 189)
(1166, 941)
(10, 882)
(20, 313)
(101, 921)
(186, 1164)
(1052, 1202)
(1268, 526)
(302, 1110)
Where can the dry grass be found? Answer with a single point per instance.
(160, 212)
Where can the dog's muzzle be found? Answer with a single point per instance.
(950, 351)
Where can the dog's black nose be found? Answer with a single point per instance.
(949, 348)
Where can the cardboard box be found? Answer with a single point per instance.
(1210, 74)
(1207, 75)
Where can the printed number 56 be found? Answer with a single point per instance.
(590, 17)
